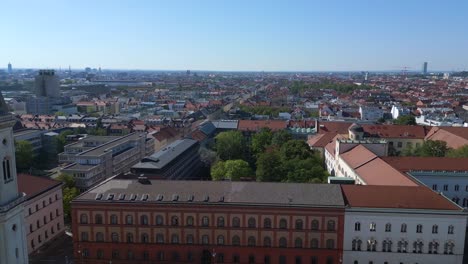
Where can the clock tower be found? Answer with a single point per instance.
(13, 247)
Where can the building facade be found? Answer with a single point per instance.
(43, 209)
(13, 247)
(399, 224)
(96, 158)
(152, 221)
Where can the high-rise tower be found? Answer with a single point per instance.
(10, 68)
(47, 84)
(13, 247)
(424, 69)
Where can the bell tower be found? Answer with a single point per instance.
(13, 247)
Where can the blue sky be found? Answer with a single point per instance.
(223, 35)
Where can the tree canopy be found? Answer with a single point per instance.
(430, 148)
(261, 140)
(69, 192)
(461, 152)
(24, 155)
(232, 170)
(405, 120)
(230, 145)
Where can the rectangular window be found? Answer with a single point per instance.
(434, 187)
(400, 144)
(446, 187)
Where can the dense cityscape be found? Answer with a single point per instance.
(273, 132)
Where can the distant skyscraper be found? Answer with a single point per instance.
(10, 68)
(425, 68)
(47, 84)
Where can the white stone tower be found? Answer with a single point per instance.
(13, 247)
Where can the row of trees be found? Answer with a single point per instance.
(435, 148)
(299, 87)
(268, 156)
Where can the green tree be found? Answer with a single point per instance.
(97, 132)
(69, 192)
(305, 170)
(232, 170)
(24, 155)
(432, 148)
(293, 149)
(461, 152)
(269, 167)
(280, 137)
(218, 171)
(405, 120)
(62, 140)
(230, 145)
(261, 140)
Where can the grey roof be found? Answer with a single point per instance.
(163, 157)
(207, 128)
(225, 192)
(225, 124)
(101, 149)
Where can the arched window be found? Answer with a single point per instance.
(251, 241)
(314, 225)
(129, 220)
(189, 239)
(450, 229)
(235, 241)
(331, 225)
(388, 227)
(267, 223)
(144, 238)
(83, 219)
(144, 220)
(114, 219)
(403, 228)
(298, 242)
(448, 247)
(357, 226)
(267, 241)
(205, 240)
(220, 240)
(314, 243)
(252, 223)
(159, 238)
(299, 224)
(99, 237)
(205, 221)
(283, 242)
(115, 237)
(283, 224)
(236, 222)
(356, 246)
(435, 229)
(174, 221)
(220, 221)
(84, 236)
(129, 238)
(175, 239)
(190, 221)
(98, 219)
(419, 228)
(330, 243)
(159, 220)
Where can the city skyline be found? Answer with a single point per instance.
(235, 36)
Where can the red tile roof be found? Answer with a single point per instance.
(405, 164)
(320, 140)
(455, 137)
(394, 131)
(358, 156)
(35, 185)
(165, 133)
(378, 172)
(403, 197)
(255, 125)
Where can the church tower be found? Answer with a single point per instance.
(13, 247)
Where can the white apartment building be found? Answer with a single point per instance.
(401, 225)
